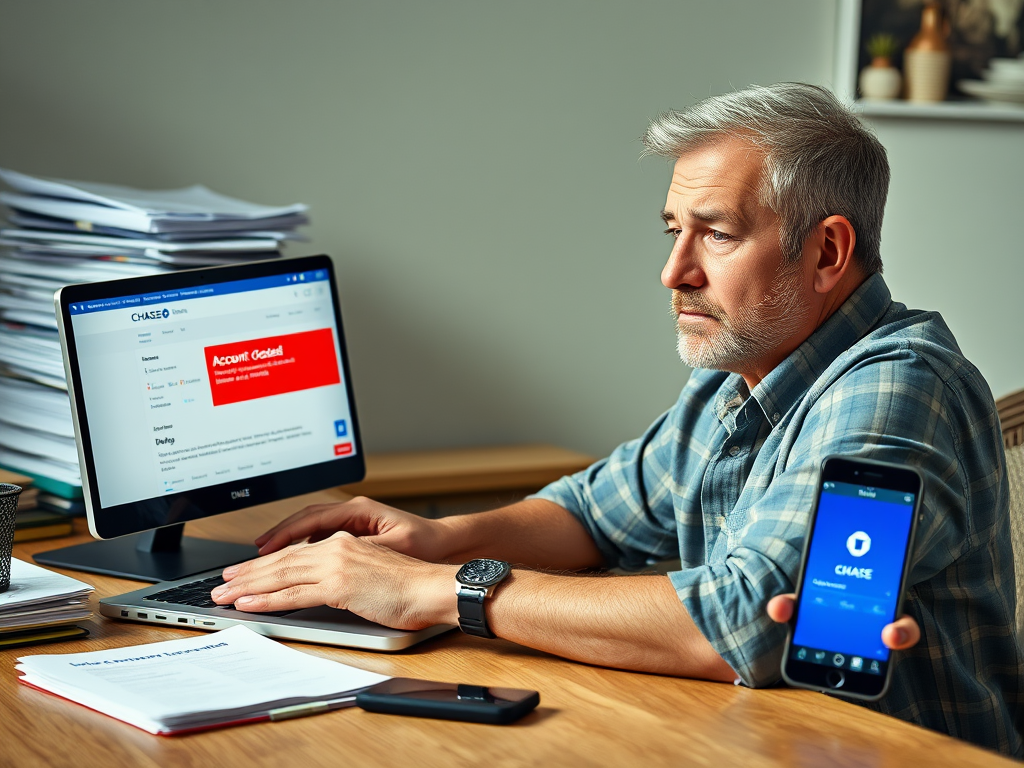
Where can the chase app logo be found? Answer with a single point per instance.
(151, 314)
(858, 544)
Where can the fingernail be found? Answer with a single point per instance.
(243, 601)
(229, 573)
(219, 591)
(901, 636)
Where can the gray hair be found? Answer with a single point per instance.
(820, 160)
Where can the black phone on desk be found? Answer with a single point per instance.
(852, 577)
(448, 701)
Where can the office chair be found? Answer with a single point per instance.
(1011, 419)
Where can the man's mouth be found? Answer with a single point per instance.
(688, 310)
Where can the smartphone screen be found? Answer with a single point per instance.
(852, 577)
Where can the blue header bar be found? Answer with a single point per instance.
(867, 492)
(198, 292)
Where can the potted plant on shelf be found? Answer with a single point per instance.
(880, 80)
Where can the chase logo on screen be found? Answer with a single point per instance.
(151, 314)
(858, 544)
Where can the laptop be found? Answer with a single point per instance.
(200, 392)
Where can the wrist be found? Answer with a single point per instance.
(452, 538)
(438, 598)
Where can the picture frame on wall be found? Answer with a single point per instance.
(976, 32)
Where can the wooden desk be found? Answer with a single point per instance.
(588, 716)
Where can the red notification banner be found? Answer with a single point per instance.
(275, 365)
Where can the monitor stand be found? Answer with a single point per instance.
(163, 554)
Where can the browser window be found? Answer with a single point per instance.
(196, 387)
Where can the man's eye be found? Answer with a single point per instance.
(720, 237)
(673, 233)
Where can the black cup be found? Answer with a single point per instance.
(8, 514)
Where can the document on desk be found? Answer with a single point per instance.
(229, 677)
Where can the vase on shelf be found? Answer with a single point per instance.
(927, 60)
(880, 81)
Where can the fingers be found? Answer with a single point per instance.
(289, 598)
(901, 634)
(270, 573)
(359, 516)
(780, 608)
(297, 526)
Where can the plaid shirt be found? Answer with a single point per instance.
(726, 479)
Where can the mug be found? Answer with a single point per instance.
(8, 514)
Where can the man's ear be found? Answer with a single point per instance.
(833, 240)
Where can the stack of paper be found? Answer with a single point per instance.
(40, 598)
(73, 232)
(229, 677)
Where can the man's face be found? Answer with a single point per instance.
(737, 301)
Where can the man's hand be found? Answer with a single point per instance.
(371, 520)
(901, 634)
(345, 572)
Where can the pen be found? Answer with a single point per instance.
(309, 708)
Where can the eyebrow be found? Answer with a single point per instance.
(708, 215)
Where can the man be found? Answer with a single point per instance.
(775, 213)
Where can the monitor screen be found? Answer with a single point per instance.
(204, 391)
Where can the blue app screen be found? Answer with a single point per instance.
(852, 579)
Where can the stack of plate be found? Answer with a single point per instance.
(1003, 83)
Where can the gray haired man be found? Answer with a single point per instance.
(774, 213)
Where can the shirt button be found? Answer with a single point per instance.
(734, 450)
(776, 417)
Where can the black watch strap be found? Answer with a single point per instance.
(472, 619)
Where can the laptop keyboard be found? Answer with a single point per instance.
(197, 594)
(194, 593)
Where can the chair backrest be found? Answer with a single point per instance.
(1011, 419)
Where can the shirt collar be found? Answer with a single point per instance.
(791, 378)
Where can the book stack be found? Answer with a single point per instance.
(63, 232)
(41, 606)
(35, 518)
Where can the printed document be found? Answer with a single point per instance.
(231, 676)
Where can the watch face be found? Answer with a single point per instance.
(482, 573)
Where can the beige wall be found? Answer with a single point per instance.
(472, 167)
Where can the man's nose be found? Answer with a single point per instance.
(683, 269)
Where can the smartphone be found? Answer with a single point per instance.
(448, 701)
(852, 577)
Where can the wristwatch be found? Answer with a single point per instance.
(474, 583)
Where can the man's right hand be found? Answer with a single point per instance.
(392, 528)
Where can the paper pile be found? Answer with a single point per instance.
(65, 232)
(228, 677)
(40, 598)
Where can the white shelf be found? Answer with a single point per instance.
(945, 110)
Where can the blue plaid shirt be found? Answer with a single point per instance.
(726, 479)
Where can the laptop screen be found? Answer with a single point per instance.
(210, 384)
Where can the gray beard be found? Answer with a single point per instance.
(755, 331)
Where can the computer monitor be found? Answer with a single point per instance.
(201, 392)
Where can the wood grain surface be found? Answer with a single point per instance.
(588, 716)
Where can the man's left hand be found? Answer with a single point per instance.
(349, 573)
(901, 634)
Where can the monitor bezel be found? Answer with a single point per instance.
(135, 517)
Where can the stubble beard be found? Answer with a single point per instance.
(755, 332)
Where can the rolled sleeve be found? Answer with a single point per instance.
(625, 501)
(727, 600)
